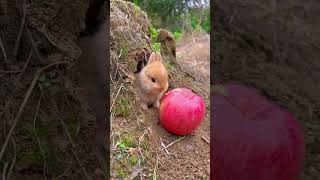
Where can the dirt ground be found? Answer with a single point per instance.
(292, 83)
(189, 156)
(141, 148)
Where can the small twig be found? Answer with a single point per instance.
(38, 139)
(34, 46)
(202, 137)
(67, 169)
(82, 168)
(149, 128)
(117, 65)
(4, 122)
(3, 51)
(25, 65)
(140, 152)
(141, 137)
(10, 72)
(175, 141)
(72, 144)
(15, 50)
(140, 170)
(46, 34)
(4, 170)
(6, 106)
(112, 81)
(164, 147)
(24, 102)
(41, 91)
(114, 100)
(14, 159)
(43, 30)
(155, 169)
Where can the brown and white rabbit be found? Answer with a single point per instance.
(152, 81)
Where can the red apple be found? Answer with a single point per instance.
(252, 137)
(181, 111)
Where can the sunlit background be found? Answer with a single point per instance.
(180, 17)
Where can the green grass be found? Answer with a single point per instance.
(177, 35)
(129, 141)
(156, 47)
(48, 79)
(33, 158)
(122, 107)
(125, 51)
(168, 65)
(153, 33)
(133, 160)
(121, 173)
(125, 159)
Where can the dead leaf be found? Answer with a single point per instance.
(136, 170)
(133, 151)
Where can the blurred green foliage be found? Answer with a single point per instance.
(200, 19)
(177, 16)
(154, 34)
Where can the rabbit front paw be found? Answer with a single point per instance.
(156, 104)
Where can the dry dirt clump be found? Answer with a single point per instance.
(168, 43)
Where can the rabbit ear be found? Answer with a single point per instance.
(154, 57)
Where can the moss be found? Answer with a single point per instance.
(122, 107)
(48, 79)
(30, 155)
(25, 128)
(121, 173)
(129, 141)
(26, 160)
(73, 126)
(133, 160)
(125, 51)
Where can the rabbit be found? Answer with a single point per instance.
(152, 81)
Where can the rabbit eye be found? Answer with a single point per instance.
(153, 80)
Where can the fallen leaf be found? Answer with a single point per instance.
(136, 170)
(133, 151)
